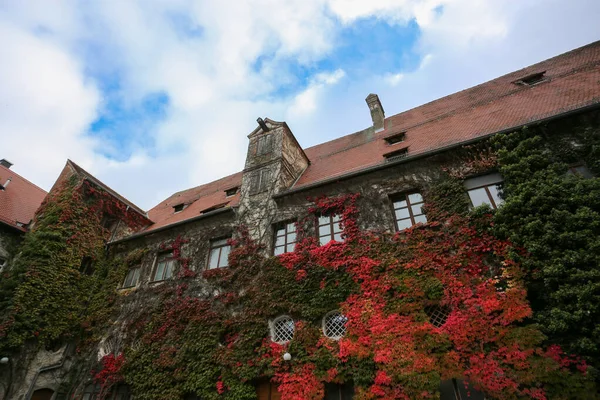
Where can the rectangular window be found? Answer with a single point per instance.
(285, 238)
(394, 139)
(265, 144)
(339, 392)
(132, 278)
(484, 190)
(330, 228)
(260, 181)
(396, 155)
(219, 253)
(165, 265)
(580, 170)
(231, 192)
(408, 210)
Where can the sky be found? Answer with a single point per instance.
(157, 96)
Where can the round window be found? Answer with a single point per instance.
(282, 329)
(334, 325)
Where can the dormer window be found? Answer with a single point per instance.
(396, 155)
(394, 139)
(532, 79)
(213, 208)
(231, 192)
(178, 208)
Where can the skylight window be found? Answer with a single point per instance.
(178, 208)
(396, 155)
(231, 192)
(213, 208)
(532, 79)
(394, 139)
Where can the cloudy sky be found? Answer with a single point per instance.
(156, 96)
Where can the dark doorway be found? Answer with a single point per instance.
(42, 394)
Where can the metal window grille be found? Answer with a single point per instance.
(334, 325)
(283, 329)
(437, 315)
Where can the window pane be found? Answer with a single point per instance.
(169, 269)
(214, 258)
(324, 239)
(291, 237)
(136, 276)
(402, 213)
(224, 261)
(415, 198)
(420, 218)
(400, 203)
(337, 228)
(417, 210)
(291, 227)
(479, 197)
(290, 247)
(324, 230)
(280, 241)
(127, 282)
(338, 237)
(324, 220)
(404, 223)
(160, 268)
(336, 218)
(279, 250)
(494, 192)
(280, 232)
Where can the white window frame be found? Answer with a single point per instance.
(324, 324)
(135, 279)
(272, 328)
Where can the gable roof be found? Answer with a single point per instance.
(19, 200)
(571, 83)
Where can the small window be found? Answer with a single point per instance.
(408, 210)
(335, 391)
(334, 325)
(265, 144)
(330, 228)
(259, 182)
(485, 189)
(438, 315)
(394, 139)
(87, 265)
(532, 79)
(282, 329)
(219, 253)
(396, 155)
(285, 238)
(178, 208)
(132, 278)
(165, 265)
(231, 192)
(580, 170)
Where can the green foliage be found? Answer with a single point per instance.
(555, 216)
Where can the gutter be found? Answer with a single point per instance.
(173, 225)
(430, 153)
(44, 369)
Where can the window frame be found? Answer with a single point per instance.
(169, 259)
(220, 248)
(274, 322)
(136, 276)
(331, 224)
(324, 324)
(264, 144)
(411, 216)
(284, 225)
(493, 179)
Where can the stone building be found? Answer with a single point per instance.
(390, 163)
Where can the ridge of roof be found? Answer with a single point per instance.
(112, 192)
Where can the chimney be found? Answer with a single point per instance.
(5, 163)
(377, 113)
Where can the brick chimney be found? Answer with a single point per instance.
(377, 113)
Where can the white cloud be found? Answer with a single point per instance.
(222, 77)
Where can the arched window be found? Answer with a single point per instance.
(334, 325)
(282, 329)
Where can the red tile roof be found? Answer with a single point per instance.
(19, 200)
(572, 82)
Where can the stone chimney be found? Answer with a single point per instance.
(377, 113)
(5, 163)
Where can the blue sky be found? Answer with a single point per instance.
(157, 96)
